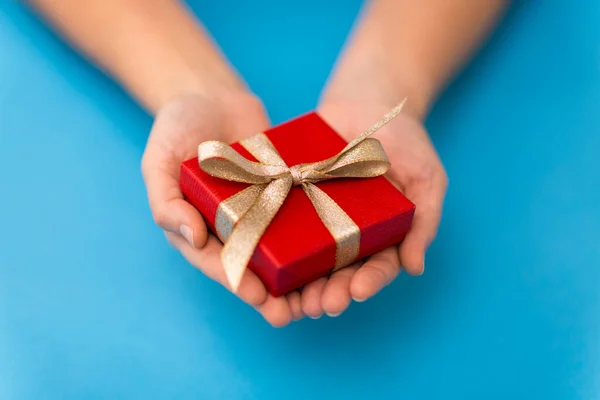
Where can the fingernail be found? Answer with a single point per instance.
(334, 315)
(359, 300)
(187, 233)
(311, 317)
(422, 268)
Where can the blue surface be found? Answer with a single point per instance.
(94, 303)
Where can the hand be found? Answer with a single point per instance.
(180, 126)
(417, 171)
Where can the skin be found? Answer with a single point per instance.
(168, 62)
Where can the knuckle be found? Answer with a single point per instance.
(160, 217)
(144, 165)
(150, 165)
(251, 100)
(384, 274)
(443, 177)
(424, 175)
(256, 104)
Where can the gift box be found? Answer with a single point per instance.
(301, 243)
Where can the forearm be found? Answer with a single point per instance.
(413, 46)
(153, 48)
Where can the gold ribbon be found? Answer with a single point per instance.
(243, 218)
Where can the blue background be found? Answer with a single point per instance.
(95, 304)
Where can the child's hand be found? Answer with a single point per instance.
(180, 126)
(417, 171)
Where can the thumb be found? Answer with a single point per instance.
(169, 209)
(429, 200)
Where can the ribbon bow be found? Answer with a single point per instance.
(243, 218)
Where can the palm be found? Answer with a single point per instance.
(416, 170)
(179, 128)
(188, 121)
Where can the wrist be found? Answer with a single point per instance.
(160, 52)
(217, 99)
(155, 84)
(379, 65)
(367, 77)
(215, 84)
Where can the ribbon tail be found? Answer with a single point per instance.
(230, 211)
(363, 157)
(343, 229)
(393, 113)
(244, 238)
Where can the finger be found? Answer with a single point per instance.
(251, 290)
(311, 298)
(336, 294)
(276, 310)
(170, 142)
(294, 301)
(377, 272)
(208, 260)
(412, 250)
(428, 200)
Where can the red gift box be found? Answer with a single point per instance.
(297, 248)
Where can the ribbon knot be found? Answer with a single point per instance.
(297, 175)
(243, 218)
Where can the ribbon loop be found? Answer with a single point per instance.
(366, 159)
(243, 218)
(222, 161)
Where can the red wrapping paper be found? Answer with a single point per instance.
(296, 248)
